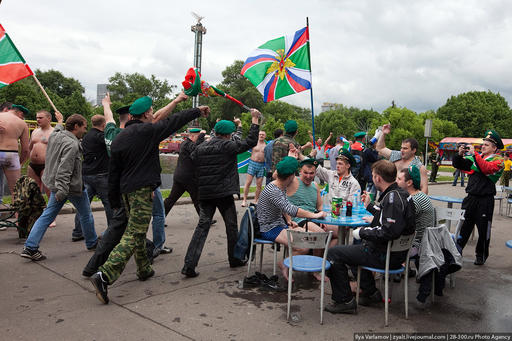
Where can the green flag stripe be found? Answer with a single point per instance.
(257, 72)
(274, 44)
(283, 88)
(300, 58)
(8, 52)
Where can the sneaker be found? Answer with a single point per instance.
(146, 276)
(77, 239)
(165, 250)
(479, 260)
(190, 273)
(235, 263)
(87, 273)
(101, 287)
(3, 228)
(93, 248)
(367, 300)
(349, 307)
(34, 255)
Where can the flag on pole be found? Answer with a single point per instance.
(281, 66)
(243, 161)
(12, 65)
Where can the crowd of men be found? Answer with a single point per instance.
(121, 166)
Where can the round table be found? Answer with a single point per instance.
(450, 201)
(356, 220)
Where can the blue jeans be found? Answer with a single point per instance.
(95, 185)
(53, 208)
(456, 177)
(158, 219)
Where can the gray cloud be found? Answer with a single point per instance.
(364, 53)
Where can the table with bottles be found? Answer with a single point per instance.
(344, 223)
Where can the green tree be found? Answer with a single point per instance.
(66, 94)
(56, 82)
(127, 87)
(477, 111)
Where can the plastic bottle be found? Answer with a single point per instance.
(349, 209)
(378, 133)
(326, 203)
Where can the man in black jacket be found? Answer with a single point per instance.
(184, 178)
(484, 171)
(392, 217)
(134, 173)
(216, 167)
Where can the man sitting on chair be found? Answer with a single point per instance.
(304, 193)
(273, 204)
(392, 217)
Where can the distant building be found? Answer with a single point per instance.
(328, 106)
(101, 91)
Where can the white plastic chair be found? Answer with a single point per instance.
(307, 263)
(258, 241)
(508, 198)
(449, 215)
(403, 243)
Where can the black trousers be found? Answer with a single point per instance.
(110, 238)
(479, 211)
(433, 174)
(353, 255)
(226, 206)
(177, 190)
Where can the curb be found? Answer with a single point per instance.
(98, 205)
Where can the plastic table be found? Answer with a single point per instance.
(356, 220)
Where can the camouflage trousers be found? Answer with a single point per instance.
(139, 206)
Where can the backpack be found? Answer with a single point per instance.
(358, 170)
(28, 202)
(242, 249)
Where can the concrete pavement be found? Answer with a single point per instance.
(49, 300)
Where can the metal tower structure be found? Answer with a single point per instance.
(198, 30)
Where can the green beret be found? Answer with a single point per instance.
(360, 134)
(309, 161)
(20, 108)
(224, 127)
(123, 110)
(414, 172)
(291, 126)
(194, 130)
(491, 136)
(287, 166)
(345, 154)
(141, 105)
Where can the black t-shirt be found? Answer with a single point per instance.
(95, 153)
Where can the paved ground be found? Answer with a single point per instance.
(49, 300)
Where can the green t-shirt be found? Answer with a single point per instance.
(110, 132)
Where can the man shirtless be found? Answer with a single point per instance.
(12, 130)
(256, 168)
(37, 148)
(404, 157)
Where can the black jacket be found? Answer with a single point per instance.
(185, 170)
(393, 217)
(478, 184)
(95, 153)
(216, 164)
(134, 161)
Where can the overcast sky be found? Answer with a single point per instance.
(364, 53)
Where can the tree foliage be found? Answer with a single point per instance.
(126, 88)
(477, 111)
(66, 94)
